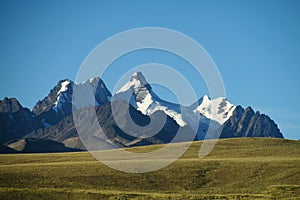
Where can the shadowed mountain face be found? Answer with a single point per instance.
(116, 133)
(58, 104)
(157, 120)
(247, 123)
(15, 121)
(60, 96)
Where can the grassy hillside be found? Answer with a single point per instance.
(236, 169)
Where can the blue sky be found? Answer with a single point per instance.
(255, 44)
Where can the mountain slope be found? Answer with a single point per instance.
(15, 121)
(203, 114)
(247, 123)
(58, 104)
(219, 110)
(65, 131)
(52, 117)
(140, 95)
(59, 99)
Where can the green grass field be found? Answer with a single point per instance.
(236, 169)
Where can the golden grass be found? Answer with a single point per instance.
(253, 168)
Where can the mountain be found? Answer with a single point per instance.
(59, 99)
(247, 123)
(58, 104)
(219, 110)
(51, 122)
(212, 113)
(116, 133)
(15, 120)
(198, 116)
(140, 95)
(216, 114)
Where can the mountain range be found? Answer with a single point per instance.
(49, 126)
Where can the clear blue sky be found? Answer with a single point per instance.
(255, 44)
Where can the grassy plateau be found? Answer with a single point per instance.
(250, 168)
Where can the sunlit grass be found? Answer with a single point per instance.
(236, 168)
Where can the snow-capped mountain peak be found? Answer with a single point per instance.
(58, 103)
(97, 87)
(136, 82)
(138, 76)
(63, 96)
(64, 86)
(138, 92)
(90, 81)
(50, 117)
(219, 109)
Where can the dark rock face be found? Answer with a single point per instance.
(57, 105)
(116, 133)
(15, 121)
(51, 124)
(9, 105)
(59, 132)
(47, 103)
(102, 94)
(247, 123)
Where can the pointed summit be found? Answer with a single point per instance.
(138, 92)
(137, 81)
(219, 109)
(58, 104)
(97, 87)
(57, 98)
(138, 76)
(15, 120)
(9, 105)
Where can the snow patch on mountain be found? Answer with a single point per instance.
(137, 81)
(94, 86)
(140, 95)
(218, 109)
(171, 113)
(62, 97)
(145, 104)
(82, 99)
(64, 87)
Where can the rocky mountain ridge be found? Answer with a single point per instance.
(51, 119)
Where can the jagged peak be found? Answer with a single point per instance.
(138, 76)
(205, 97)
(10, 105)
(218, 109)
(64, 80)
(92, 80)
(60, 97)
(249, 109)
(7, 100)
(64, 85)
(137, 80)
